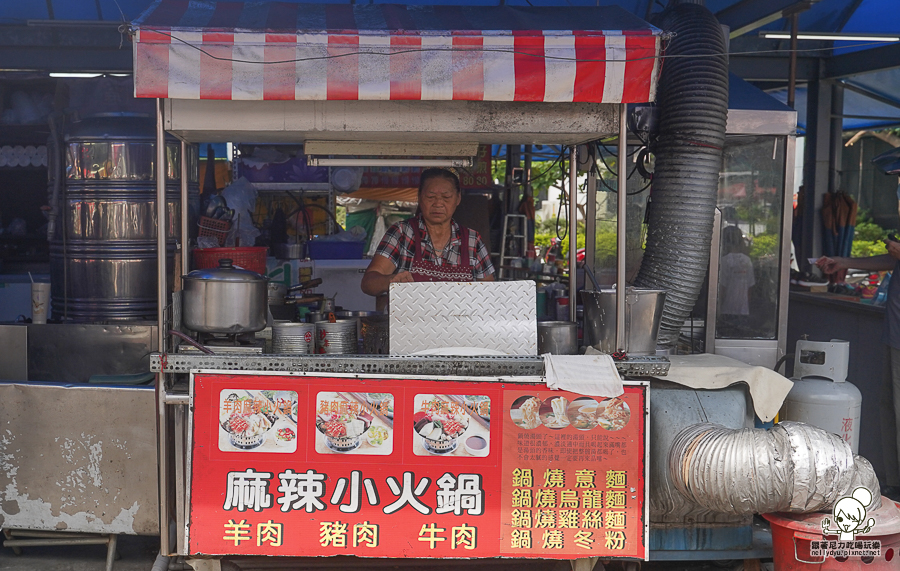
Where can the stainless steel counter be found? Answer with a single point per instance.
(75, 352)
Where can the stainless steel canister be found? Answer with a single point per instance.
(294, 338)
(224, 300)
(103, 254)
(276, 293)
(338, 337)
(557, 337)
(356, 316)
(376, 334)
(643, 312)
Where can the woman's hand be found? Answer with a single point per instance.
(403, 277)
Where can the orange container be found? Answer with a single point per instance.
(253, 259)
(793, 534)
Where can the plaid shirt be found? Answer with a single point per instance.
(398, 245)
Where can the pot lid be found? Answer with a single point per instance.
(226, 272)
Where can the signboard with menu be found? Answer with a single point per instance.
(301, 465)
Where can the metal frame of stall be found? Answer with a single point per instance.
(741, 122)
(763, 352)
(166, 365)
(166, 69)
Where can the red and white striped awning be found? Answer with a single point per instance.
(199, 49)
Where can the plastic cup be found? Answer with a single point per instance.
(40, 302)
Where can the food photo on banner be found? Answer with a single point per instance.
(299, 465)
(258, 421)
(354, 423)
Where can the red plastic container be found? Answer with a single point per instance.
(212, 228)
(792, 535)
(253, 259)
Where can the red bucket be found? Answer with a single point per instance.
(793, 534)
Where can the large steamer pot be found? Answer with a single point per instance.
(224, 300)
(112, 282)
(103, 256)
(121, 147)
(128, 215)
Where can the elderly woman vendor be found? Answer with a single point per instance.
(430, 246)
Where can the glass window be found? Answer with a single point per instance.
(638, 190)
(751, 187)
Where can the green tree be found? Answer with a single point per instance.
(544, 174)
(764, 245)
(866, 248)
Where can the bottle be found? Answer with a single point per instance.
(882, 291)
(869, 289)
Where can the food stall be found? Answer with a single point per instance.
(563, 471)
(362, 79)
(233, 423)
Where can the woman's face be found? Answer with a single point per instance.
(438, 200)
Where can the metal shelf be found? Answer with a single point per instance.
(493, 366)
(318, 188)
(354, 364)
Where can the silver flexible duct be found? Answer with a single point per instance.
(794, 467)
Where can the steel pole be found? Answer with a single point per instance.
(161, 295)
(621, 226)
(160, 225)
(185, 212)
(792, 67)
(573, 228)
(590, 220)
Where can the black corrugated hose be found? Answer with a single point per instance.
(693, 105)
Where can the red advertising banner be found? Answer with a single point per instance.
(294, 465)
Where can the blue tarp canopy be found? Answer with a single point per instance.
(869, 71)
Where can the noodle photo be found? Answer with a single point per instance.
(525, 412)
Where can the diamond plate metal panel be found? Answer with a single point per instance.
(484, 315)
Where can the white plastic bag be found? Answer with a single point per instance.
(241, 196)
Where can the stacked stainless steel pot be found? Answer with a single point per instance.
(103, 259)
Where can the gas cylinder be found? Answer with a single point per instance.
(821, 395)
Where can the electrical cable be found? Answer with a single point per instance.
(616, 174)
(304, 207)
(608, 150)
(563, 201)
(548, 169)
(301, 208)
(326, 211)
(391, 52)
